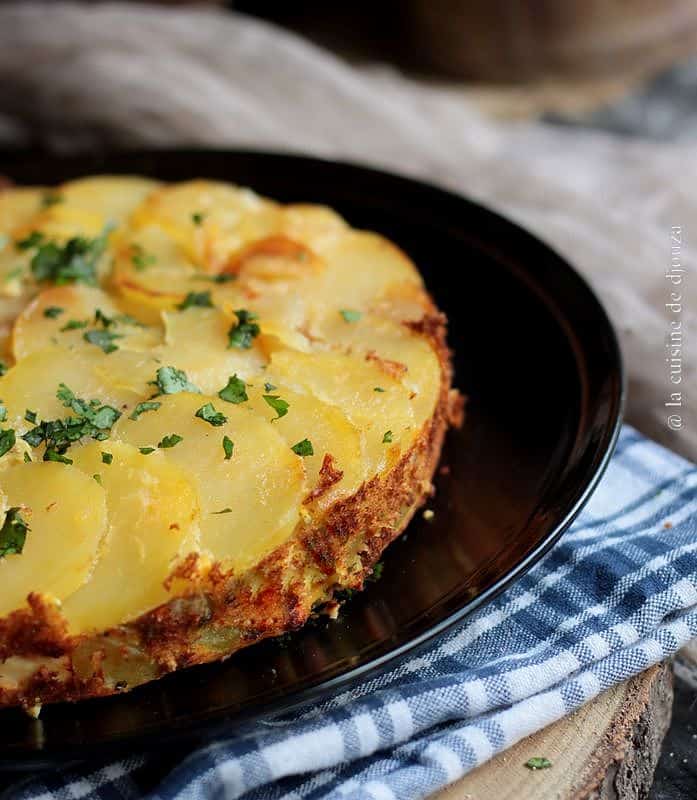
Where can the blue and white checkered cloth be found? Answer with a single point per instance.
(616, 594)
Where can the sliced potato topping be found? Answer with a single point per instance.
(196, 375)
(67, 518)
(153, 518)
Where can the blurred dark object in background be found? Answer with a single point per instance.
(500, 40)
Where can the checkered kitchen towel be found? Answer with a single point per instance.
(617, 594)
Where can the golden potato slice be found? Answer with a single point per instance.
(249, 502)
(18, 206)
(43, 322)
(210, 220)
(328, 430)
(360, 268)
(392, 346)
(152, 521)
(353, 384)
(33, 382)
(309, 223)
(52, 498)
(196, 340)
(111, 198)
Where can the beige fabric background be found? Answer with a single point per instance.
(119, 74)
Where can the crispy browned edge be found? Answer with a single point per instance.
(214, 614)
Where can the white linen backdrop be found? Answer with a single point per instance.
(115, 73)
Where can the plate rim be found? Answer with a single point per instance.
(192, 730)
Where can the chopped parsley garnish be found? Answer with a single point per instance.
(74, 324)
(228, 446)
(387, 437)
(171, 380)
(377, 571)
(103, 338)
(51, 199)
(303, 448)
(107, 458)
(197, 217)
(14, 273)
(13, 533)
(223, 277)
(170, 441)
(7, 441)
(223, 511)
(3, 412)
(3, 368)
(538, 762)
(146, 450)
(34, 239)
(235, 391)
(91, 419)
(73, 262)
(196, 300)
(100, 318)
(51, 312)
(27, 458)
(141, 260)
(278, 405)
(209, 414)
(30, 416)
(378, 389)
(98, 478)
(349, 315)
(141, 408)
(244, 330)
(269, 387)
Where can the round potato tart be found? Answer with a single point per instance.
(216, 412)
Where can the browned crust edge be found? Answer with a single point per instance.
(217, 613)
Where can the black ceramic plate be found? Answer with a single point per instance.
(536, 355)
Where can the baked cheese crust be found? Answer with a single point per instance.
(216, 412)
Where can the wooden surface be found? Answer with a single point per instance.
(607, 750)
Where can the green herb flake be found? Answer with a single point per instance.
(197, 217)
(209, 414)
(34, 239)
(303, 448)
(171, 380)
(100, 318)
(98, 478)
(228, 446)
(27, 458)
(269, 387)
(7, 441)
(196, 300)
(52, 312)
(13, 533)
(146, 450)
(377, 572)
(349, 315)
(378, 389)
(140, 259)
(91, 419)
(170, 441)
(387, 437)
(538, 762)
(223, 511)
(3, 412)
(141, 408)
(51, 199)
(30, 416)
(244, 330)
(223, 277)
(278, 405)
(74, 324)
(235, 391)
(107, 458)
(73, 262)
(103, 338)
(3, 368)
